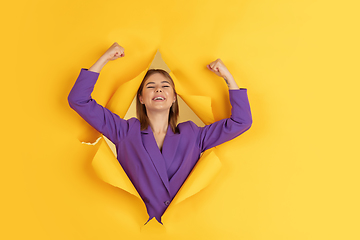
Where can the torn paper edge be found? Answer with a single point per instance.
(94, 143)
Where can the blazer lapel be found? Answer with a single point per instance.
(157, 158)
(170, 145)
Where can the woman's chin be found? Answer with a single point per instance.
(158, 108)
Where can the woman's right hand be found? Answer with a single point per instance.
(114, 52)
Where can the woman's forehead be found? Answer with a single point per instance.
(157, 78)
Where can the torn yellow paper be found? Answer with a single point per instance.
(153, 227)
(122, 98)
(109, 170)
(203, 173)
(92, 144)
(201, 105)
(292, 176)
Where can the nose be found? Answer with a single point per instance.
(158, 90)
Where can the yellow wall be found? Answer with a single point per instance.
(293, 175)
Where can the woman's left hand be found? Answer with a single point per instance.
(219, 68)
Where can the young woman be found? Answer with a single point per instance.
(155, 152)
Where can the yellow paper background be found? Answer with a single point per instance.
(293, 175)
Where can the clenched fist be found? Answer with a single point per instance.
(114, 52)
(219, 68)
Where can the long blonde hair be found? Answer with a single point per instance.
(141, 109)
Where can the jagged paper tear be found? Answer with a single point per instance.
(108, 168)
(94, 143)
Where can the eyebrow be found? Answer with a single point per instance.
(154, 82)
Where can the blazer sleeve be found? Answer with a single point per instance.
(99, 117)
(226, 129)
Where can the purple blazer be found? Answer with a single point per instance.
(156, 175)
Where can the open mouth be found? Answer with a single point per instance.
(158, 99)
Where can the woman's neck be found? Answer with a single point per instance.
(159, 121)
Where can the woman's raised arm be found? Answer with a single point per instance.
(240, 120)
(99, 117)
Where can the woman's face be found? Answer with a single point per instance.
(157, 93)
